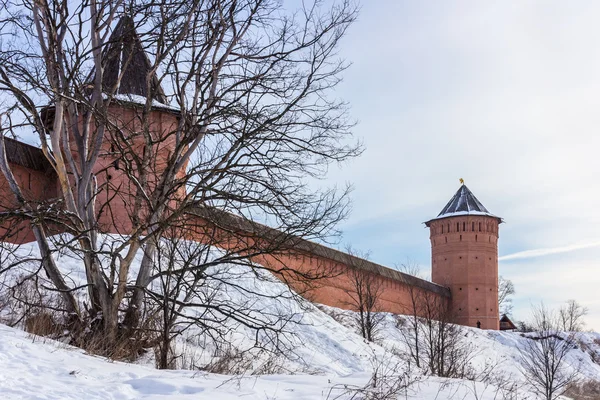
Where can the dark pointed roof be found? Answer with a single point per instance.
(26, 155)
(463, 202)
(506, 324)
(124, 54)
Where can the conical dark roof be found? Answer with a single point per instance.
(125, 55)
(463, 202)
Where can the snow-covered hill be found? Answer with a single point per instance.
(326, 358)
(37, 368)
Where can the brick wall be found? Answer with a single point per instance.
(116, 197)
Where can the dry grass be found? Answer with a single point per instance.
(587, 390)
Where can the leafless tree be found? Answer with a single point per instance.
(412, 334)
(364, 294)
(447, 352)
(250, 87)
(433, 341)
(202, 290)
(505, 290)
(571, 316)
(544, 357)
(177, 286)
(410, 267)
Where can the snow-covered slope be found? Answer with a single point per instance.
(327, 359)
(34, 368)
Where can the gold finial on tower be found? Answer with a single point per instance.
(462, 181)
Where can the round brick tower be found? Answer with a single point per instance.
(464, 256)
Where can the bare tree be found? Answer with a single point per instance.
(505, 290)
(364, 294)
(411, 268)
(245, 119)
(204, 291)
(412, 334)
(544, 357)
(433, 341)
(571, 316)
(178, 285)
(447, 352)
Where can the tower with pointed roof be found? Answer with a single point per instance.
(464, 256)
(129, 81)
(126, 66)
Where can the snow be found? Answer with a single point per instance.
(141, 100)
(43, 369)
(326, 357)
(459, 213)
(34, 368)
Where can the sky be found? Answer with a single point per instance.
(502, 94)
(506, 96)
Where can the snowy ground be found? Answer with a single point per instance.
(327, 359)
(34, 368)
(37, 368)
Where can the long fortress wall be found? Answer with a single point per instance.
(398, 289)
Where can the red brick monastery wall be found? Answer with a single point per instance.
(398, 289)
(396, 297)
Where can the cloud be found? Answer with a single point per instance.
(548, 251)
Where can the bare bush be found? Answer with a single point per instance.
(586, 390)
(432, 341)
(389, 380)
(524, 327)
(544, 356)
(42, 324)
(230, 362)
(366, 288)
(591, 350)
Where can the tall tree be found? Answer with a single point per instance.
(411, 333)
(432, 340)
(247, 113)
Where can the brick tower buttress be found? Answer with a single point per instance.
(464, 256)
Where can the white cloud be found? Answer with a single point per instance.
(548, 251)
